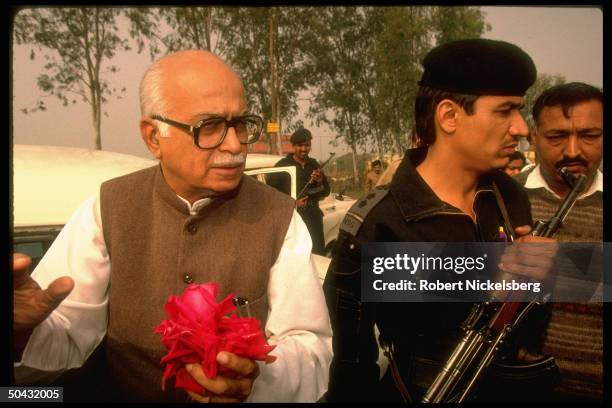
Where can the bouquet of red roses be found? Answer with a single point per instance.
(198, 328)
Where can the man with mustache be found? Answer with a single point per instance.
(449, 189)
(145, 236)
(569, 133)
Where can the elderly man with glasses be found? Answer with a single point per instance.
(194, 218)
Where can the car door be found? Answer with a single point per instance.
(286, 171)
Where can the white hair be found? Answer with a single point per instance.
(152, 101)
(152, 98)
(163, 128)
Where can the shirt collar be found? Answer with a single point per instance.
(536, 180)
(413, 195)
(195, 207)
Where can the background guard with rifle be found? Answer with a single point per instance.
(312, 186)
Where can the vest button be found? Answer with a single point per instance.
(192, 228)
(187, 278)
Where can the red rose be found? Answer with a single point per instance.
(197, 328)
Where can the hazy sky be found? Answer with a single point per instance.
(561, 40)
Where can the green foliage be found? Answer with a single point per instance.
(542, 83)
(366, 63)
(244, 41)
(349, 57)
(455, 23)
(76, 43)
(344, 163)
(241, 36)
(144, 29)
(361, 65)
(191, 27)
(401, 41)
(339, 66)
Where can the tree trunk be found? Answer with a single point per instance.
(355, 171)
(378, 143)
(279, 142)
(96, 112)
(96, 91)
(353, 145)
(397, 143)
(208, 27)
(97, 128)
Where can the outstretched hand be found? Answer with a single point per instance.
(32, 304)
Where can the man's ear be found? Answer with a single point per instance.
(150, 133)
(446, 116)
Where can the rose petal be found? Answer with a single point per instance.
(197, 329)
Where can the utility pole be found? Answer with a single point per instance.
(275, 142)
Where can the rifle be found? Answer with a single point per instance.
(490, 323)
(310, 180)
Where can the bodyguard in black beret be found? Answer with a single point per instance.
(449, 189)
(479, 67)
(312, 186)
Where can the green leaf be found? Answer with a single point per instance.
(64, 35)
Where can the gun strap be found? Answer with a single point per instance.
(502, 209)
(397, 378)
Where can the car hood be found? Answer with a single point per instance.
(40, 173)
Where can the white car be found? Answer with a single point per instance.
(50, 182)
(334, 206)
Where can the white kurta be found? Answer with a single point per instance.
(298, 320)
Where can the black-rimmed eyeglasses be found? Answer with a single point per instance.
(211, 131)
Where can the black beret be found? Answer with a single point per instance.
(479, 67)
(300, 136)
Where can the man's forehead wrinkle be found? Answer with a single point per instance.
(569, 128)
(556, 112)
(243, 111)
(556, 130)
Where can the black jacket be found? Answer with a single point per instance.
(405, 210)
(315, 192)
